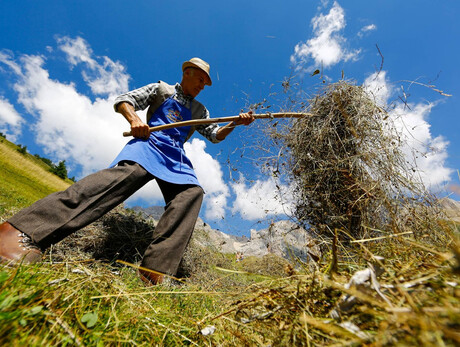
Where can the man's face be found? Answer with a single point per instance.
(193, 81)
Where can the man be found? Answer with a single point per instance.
(157, 155)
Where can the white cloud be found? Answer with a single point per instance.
(324, 3)
(327, 47)
(67, 124)
(8, 114)
(420, 147)
(150, 194)
(77, 51)
(366, 29)
(425, 152)
(379, 87)
(10, 120)
(7, 58)
(261, 199)
(105, 77)
(210, 175)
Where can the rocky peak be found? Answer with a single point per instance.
(283, 238)
(451, 208)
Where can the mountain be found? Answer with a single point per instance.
(451, 208)
(283, 238)
(154, 212)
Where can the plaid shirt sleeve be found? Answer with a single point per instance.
(209, 131)
(139, 98)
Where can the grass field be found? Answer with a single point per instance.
(78, 298)
(24, 178)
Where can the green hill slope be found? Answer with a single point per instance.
(24, 178)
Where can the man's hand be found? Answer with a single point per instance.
(138, 128)
(244, 119)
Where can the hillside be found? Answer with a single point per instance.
(24, 178)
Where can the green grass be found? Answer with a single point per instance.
(24, 178)
(72, 299)
(56, 304)
(77, 302)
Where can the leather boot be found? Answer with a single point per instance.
(15, 246)
(150, 278)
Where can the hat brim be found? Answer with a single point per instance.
(188, 64)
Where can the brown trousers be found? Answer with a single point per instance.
(56, 216)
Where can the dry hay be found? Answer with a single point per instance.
(415, 308)
(123, 234)
(348, 168)
(119, 235)
(352, 181)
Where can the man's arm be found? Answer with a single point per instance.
(244, 118)
(138, 127)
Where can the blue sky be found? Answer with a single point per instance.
(62, 64)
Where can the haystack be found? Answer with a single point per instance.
(347, 167)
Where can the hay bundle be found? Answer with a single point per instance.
(347, 165)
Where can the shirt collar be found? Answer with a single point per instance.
(180, 93)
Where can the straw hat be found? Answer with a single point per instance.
(199, 64)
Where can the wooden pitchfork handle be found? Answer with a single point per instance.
(221, 120)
